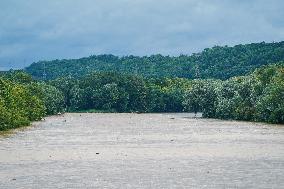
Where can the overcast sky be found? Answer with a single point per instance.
(32, 30)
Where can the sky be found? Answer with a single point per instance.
(33, 30)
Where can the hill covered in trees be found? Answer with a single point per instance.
(245, 82)
(217, 62)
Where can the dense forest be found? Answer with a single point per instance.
(257, 96)
(217, 62)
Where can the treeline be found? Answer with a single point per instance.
(256, 97)
(22, 100)
(122, 93)
(212, 63)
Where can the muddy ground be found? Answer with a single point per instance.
(142, 151)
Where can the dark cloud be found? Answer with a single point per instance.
(33, 30)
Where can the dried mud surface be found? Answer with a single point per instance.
(142, 151)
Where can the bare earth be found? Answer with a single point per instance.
(142, 151)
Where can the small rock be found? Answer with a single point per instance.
(14, 179)
(97, 153)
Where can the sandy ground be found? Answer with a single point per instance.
(142, 151)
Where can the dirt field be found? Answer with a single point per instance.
(142, 151)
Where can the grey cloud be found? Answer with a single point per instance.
(33, 30)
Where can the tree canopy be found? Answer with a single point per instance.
(244, 82)
(217, 62)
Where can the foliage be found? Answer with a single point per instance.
(200, 97)
(109, 91)
(22, 100)
(257, 97)
(123, 93)
(270, 105)
(217, 62)
(18, 106)
(152, 84)
(64, 84)
(52, 98)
